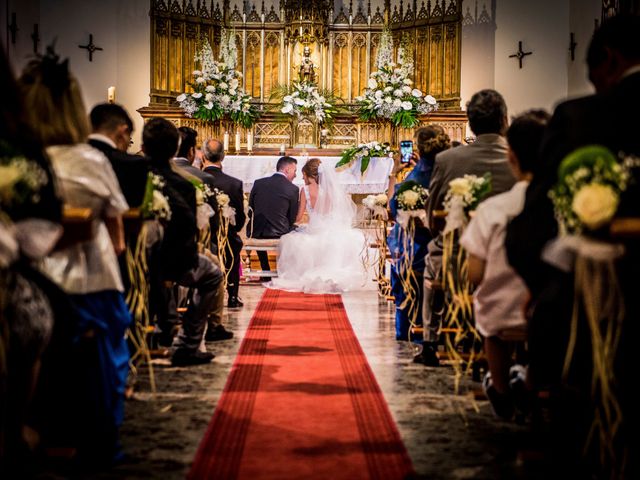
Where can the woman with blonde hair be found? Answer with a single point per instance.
(86, 270)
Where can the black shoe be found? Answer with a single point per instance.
(234, 302)
(501, 403)
(428, 356)
(217, 333)
(184, 358)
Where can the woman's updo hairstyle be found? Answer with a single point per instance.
(432, 140)
(311, 168)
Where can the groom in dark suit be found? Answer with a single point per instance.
(274, 205)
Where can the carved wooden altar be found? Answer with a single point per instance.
(343, 47)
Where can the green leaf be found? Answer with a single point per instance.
(364, 163)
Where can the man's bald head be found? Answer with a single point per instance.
(213, 151)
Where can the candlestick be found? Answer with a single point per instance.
(282, 149)
(226, 141)
(111, 94)
(237, 142)
(249, 142)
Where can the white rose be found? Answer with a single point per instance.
(208, 97)
(388, 89)
(430, 100)
(210, 88)
(209, 105)
(200, 80)
(181, 97)
(234, 83)
(407, 81)
(222, 199)
(287, 108)
(398, 93)
(410, 198)
(416, 93)
(372, 83)
(595, 205)
(459, 186)
(388, 100)
(197, 73)
(382, 199)
(406, 89)
(397, 102)
(223, 85)
(196, 95)
(407, 105)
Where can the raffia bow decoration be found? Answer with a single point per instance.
(586, 198)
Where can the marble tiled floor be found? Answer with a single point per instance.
(446, 435)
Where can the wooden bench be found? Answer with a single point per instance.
(77, 225)
(260, 245)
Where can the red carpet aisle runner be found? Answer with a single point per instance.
(301, 401)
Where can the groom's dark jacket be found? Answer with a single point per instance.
(274, 206)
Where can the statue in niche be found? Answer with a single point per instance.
(307, 68)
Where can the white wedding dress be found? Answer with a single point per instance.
(325, 256)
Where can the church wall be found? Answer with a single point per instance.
(582, 16)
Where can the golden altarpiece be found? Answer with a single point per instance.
(278, 45)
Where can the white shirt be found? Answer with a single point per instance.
(499, 299)
(103, 138)
(86, 180)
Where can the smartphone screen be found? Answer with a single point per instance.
(406, 149)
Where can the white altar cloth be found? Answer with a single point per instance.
(249, 168)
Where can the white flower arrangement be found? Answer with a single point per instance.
(217, 93)
(376, 205)
(226, 210)
(590, 181)
(155, 204)
(463, 195)
(305, 99)
(364, 152)
(20, 181)
(389, 94)
(411, 198)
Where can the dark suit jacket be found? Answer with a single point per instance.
(184, 164)
(131, 170)
(274, 203)
(487, 154)
(179, 251)
(232, 187)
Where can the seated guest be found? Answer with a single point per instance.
(29, 229)
(179, 260)
(87, 270)
(187, 154)
(487, 114)
(112, 129)
(429, 141)
(501, 295)
(213, 154)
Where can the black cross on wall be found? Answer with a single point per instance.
(90, 47)
(520, 54)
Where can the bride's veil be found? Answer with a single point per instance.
(333, 205)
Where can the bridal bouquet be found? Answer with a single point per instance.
(463, 196)
(305, 99)
(364, 152)
(389, 94)
(411, 198)
(217, 93)
(590, 181)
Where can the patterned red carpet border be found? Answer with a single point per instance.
(301, 401)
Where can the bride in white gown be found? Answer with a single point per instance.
(323, 256)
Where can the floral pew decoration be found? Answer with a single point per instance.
(364, 153)
(227, 216)
(155, 212)
(463, 196)
(586, 198)
(375, 207)
(411, 198)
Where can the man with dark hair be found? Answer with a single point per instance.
(607, 118)
(187, 154)
(178, 256)
(273, 205)
(112, 129)
(487, 114)
(213, 154)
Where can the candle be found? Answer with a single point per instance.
(226, 141)
(282, 149)
(111, 94)
(249, 141)
(237, 141)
